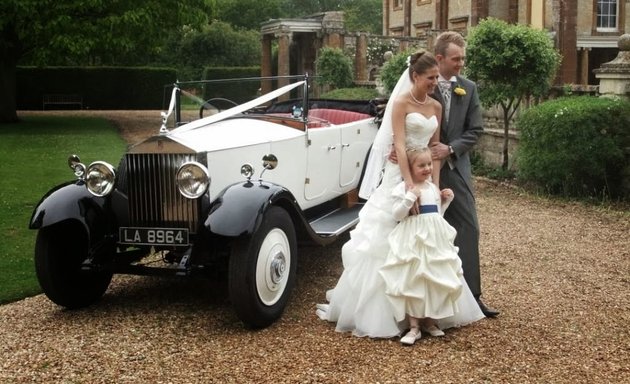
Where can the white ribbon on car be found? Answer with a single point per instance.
(238, 109)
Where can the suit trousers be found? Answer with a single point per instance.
(462, 215)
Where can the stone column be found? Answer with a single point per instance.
(614, 76)
(478, 11)
(284, 41)
(564, 13)
(334, 40)
(265, 64)
(360, 58)
(584, 65)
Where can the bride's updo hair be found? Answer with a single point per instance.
(420, 62)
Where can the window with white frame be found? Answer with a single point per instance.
(607, 15)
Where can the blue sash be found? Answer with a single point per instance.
(428, 209)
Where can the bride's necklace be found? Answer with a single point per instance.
(416, 100)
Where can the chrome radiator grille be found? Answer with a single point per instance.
(154, 200)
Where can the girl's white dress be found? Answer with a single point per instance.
(358, 303)
(423, 273)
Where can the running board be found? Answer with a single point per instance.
(337, 221)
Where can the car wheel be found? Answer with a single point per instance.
(262, 270)
(59, 253)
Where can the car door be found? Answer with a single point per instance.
(354, 145)
(323, 163)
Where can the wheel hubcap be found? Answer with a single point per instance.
(272, 266)
(278, 266)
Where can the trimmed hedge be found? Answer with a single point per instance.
(100, 87)
(577, 147)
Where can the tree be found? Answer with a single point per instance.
(301, 8)
(509, 63)
(363, 15)
(217, 44)
(82, 32)
(249, 14)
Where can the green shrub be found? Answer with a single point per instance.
(577, 146)
(334, 68)
(392, 69)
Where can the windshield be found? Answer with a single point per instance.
(192, 101)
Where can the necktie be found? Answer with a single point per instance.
(445, 89)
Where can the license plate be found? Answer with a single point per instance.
(154, 236)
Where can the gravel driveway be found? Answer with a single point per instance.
(559, 272)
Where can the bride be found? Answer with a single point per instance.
(358, 303)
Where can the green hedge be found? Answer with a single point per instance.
(239, 92)
(577, 147)
(99, 87)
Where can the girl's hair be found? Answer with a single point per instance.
(413, 152)
(420, 62)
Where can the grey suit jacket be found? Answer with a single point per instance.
(465, 126)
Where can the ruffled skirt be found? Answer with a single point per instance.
(423, 273)
(359, 302)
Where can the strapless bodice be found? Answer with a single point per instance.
(419, 129)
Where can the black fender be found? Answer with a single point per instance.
(239, 208)
(72, 201)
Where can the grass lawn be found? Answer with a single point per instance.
(34, 154)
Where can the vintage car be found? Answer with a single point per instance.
(238, 190)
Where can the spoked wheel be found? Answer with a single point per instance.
(217, 104)
(262, 271)
(59, 254)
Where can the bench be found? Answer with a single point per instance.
(62, 99)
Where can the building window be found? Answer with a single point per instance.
(398, 4)
(607, 15)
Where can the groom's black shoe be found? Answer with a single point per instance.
(487, 311)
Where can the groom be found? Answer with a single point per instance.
(461, 127)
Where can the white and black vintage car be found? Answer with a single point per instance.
(238, 188)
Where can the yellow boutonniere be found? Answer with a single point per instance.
(459, 91)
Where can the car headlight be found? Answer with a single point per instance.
(192, 179)
(100, 178)
(77, 166)
(247, 171)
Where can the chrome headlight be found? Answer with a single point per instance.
(247, 171)
(77, 166)
(193, 179)
(100, 178)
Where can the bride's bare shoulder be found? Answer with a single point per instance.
(436, 105)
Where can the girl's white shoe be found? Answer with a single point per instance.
(411, 336)
(433, 331)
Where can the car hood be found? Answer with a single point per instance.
(224, 134)
(233, 133)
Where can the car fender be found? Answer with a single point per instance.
(239, 208)
(72, 202)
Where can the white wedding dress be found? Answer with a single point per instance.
(423, 274)
(358, 302)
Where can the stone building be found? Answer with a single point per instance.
(298, 41)
(584, 31)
